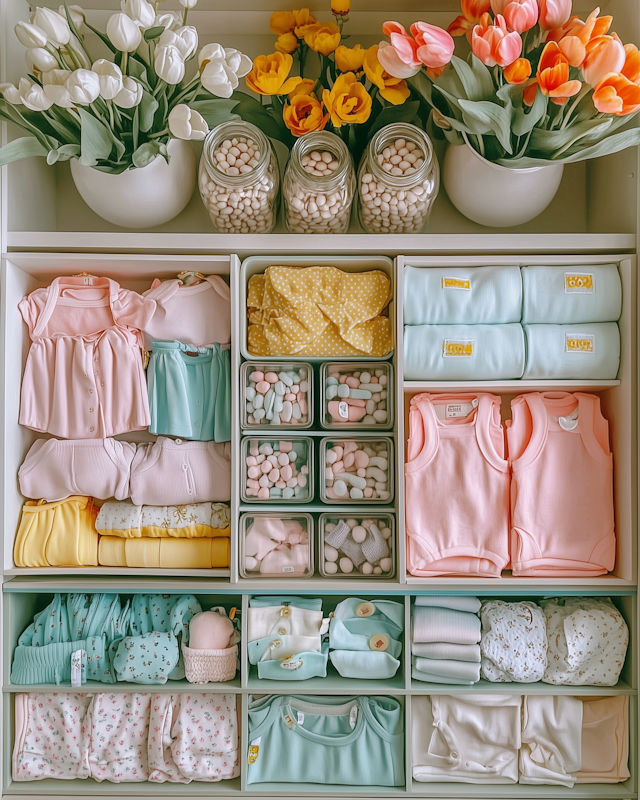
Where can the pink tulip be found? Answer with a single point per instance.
(604, 55)
(521, 15)
(493, 44)
(393, 64)
(435, 45)
(553, 13)
(405, 49)
(394, 27)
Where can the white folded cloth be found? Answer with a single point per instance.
(551, 740)
(471, 604)
(464, 670)
(446, 651)
(444, 625)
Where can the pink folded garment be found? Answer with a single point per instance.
(55, 469)
(176, 472)
(289, 560)
(605, 740)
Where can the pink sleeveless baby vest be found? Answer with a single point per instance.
(457, 487)
(562, 486)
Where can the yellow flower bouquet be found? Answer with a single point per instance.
(314, 82)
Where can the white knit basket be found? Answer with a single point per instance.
(210, 666)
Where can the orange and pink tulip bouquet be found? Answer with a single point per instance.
(540, 86)
(342, 89)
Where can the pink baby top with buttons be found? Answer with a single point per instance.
(84, 377)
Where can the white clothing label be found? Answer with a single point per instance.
(455, 410)
(300, 717)
(353, 716)
(457, 347)
(456, 283)
(579, 283)
(288, 569)
(343, 410)
(291, 664)
(88, 281)
(76, 668)
(579, 343)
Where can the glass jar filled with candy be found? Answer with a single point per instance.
(319, 185)
(398, 180)
(239, 179)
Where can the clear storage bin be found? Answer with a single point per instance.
(332, 558)
(346, 405)
(259, 557)
(375, 483)
(246, 202)
(319, 203)
(301, 376)
(293, 467)
(390, 202)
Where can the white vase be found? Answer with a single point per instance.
(140, 198)
(496, 196)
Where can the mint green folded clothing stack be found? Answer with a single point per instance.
(570, 318)
(445, 636)
(463, 323)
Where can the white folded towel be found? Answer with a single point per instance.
(471, 604)
(446, 651)
(444, 625)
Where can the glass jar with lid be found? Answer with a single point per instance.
(319, 185)
(239, 179)
(398, 180)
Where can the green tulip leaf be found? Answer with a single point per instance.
(483, 74)
(96, 141)
(25, 147)
(153, 33)
(489, 114)
(145, 154)
(475, 85)
(215, 111)
(549, 142)
(524, 122)
(63, 153)
(608, 146)
(147, 110)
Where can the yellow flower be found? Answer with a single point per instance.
(282, 22)
(350, 59)
(270, 74)
(323, 37)
(287, 43)
(304, 21)
(395, 90)
(303, 114)
(340, 7)
(306, 86)
(348, 101)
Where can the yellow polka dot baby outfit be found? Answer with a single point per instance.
(319, 311)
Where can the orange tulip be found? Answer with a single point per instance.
(287, 43)
(575, 35)
(604, 55)
(472, 11)
(303, 114)
(282, 22)
(518, 72)
(530, 92)
(323, 37)
(306, 86)
(631, 69)
(270, 74)
(616, 94)
(553, 75)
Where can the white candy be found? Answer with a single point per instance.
(330, 553)
(321, 209)
(276, 396)
(362, 386)
(330, 567)
(270, 473)
(346, 564)
(343, 476)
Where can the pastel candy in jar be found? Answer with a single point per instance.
(277, 398)
(357, 396)
(276, 470)
(357, 470)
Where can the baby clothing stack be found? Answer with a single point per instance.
(575, 640)
(570, 319)
(126, 738)
(286, 638)
(319, 311)
(534, 740)
(463, 323)
(365, 638)
(445, 632)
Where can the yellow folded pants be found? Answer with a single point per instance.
(169, 553)
(59, 534)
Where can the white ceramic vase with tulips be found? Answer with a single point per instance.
(541, 88)
(123, 119)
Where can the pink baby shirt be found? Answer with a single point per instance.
(562, 486)
(84, 377)
(456, 486)
(198, 314)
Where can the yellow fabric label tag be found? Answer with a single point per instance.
(579, 283)
(254, 749)
(456, 283)
(457, 348)
(579, 343)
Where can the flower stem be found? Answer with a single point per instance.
(585, 90)
(160, 133)
(184, 16)
(123, 62)
(57, 55)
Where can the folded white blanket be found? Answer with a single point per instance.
(464, 670)
(551, 740)
(427, 677)
(471, 604)
(446, 650)
(444, 625)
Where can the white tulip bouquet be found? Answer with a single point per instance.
(118, 112)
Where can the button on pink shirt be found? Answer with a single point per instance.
(84, 377)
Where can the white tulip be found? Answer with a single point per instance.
(188, 3)
(185, 39)
(33, 96)
(220, 69)
(169, 64)
(10, 94)
(110, 77)
(78, 16)
(83, 86)
(185, 123)
(168, 20)
(123, 33)
(54, 25)
(130, 95)
(30, 35)
(140, 11)
(54, 87)
(40, 59)
(78, 52)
